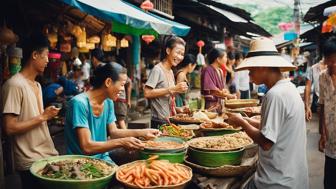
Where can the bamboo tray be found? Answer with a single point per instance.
(177, 186)
(192, 142)
(248, 162)
(241, 103)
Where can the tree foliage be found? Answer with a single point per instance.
(269, 18)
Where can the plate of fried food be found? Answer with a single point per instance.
(165, 144)
(250, 111)
(241, 103)
(173, 130)
(185, 119)
(227, 142)
(211, 128)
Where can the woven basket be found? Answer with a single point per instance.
(249, 161)
(178, 186)
(241, 103)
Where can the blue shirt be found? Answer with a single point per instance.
(49, 94)
(80, 115)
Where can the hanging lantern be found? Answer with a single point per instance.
(200, 43)
(148, 38)
(147, 5)
(93, 39)
(123, 43)
(283, 26)
(84, 50)
(52, 37)
(109, 40)
(326, 27)
(7, 36)
(90, 46)
(329, 24)
(76, 30)
(65, 47)
(107, 48)
(81, 39)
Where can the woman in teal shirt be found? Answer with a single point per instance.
(90, 118)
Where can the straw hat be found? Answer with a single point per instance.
(263, 53)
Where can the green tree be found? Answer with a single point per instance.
(269, 18)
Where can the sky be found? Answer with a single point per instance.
(305, 4)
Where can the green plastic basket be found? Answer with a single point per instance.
(215, 159)
(49, 183)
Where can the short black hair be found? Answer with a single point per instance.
(35, 42)
(120, 61)
(329, 47)
(104, 71)
(239, 55)
(231, 55)
(188, 59)
(98, 54)
(214, 54)
(77, 68)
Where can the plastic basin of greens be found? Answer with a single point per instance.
(215, 159)
(51, 183)
(173, 132)
(177, 157)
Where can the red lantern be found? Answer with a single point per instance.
(147, 5)
(326, 27)
(148, 38)
(200, 43)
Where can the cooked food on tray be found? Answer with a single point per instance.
(185, 118)
(200, 116)
(240, 103)
(157, 173)
(253, 110)
(174, 130)
(225, 142)
(80, 169)
(214, 125)
(163, 145)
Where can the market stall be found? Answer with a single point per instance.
(184, 156)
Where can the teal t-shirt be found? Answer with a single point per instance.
(79, 114)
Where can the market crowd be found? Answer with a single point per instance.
(98, 98)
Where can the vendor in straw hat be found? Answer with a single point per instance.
(281, 133)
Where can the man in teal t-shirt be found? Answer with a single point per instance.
(90, 118)
(80, 114)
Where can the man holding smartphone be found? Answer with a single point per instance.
(24, 118)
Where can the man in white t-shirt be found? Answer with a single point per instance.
(281, 133)
(242, 79)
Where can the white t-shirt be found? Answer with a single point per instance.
(242, 80)
(86, 70)
(284, 166)
(313, 74)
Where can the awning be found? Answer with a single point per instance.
(237, 23)
(231, 16)
(129, 19)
